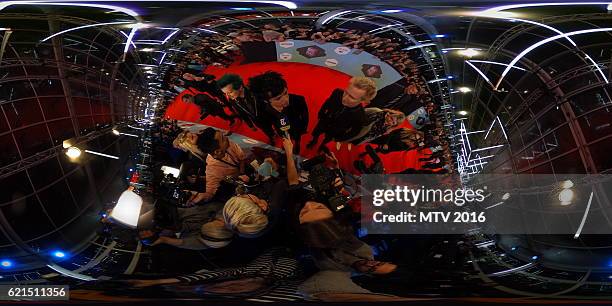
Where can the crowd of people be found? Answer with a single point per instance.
(265, 102)
(232, 194)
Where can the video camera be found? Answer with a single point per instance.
(323, 179)
(172, 189)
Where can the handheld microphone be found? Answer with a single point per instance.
(284, 126)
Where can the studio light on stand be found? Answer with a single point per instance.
(73, 152)
(127, 210)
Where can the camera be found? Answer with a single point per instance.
(173, 191)
(322, 180)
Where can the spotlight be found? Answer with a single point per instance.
(6, 263)
(73, 152)
(440, 35)
(566, 196)
(464, 89)
(59, 254)
(505, 196)
(116, 132)
(462, 113)
(513, 248)
(567, 184)
(68, 143)
(469, 52)
(534, 257)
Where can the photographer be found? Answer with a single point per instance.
(320, 225)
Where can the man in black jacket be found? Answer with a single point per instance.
(342, 116)
(208, 106)
(240, 99)
(284, 114)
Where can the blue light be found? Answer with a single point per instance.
(440, 35)
(131, 169)
(59, 254)
(534, 257)
(449, 77)
(6, 263)
(241, 8)
(513, 249)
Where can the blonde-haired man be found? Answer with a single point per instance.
(342, 116)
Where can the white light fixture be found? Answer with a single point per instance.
(73, 152)
(469, 52)
(462, 113)
(169, 170)
(464, 89)
(127, 210)
(567, 184)
(116, 132)
(566, 196)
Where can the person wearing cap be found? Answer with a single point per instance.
(201, 228)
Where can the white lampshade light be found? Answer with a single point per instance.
(127, 210)
(73, 152)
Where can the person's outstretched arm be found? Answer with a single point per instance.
(292, 173)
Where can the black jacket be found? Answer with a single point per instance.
(296, 113)
(338, 121)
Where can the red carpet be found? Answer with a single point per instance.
(315, 83)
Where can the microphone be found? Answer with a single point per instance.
(284, 126)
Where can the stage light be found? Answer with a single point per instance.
(506, 196)
(391, 11)
(567, 184)
(513, 248)
(73, 152)
(469, 52)
(566, 196)
(113, 8)
(127, 210)
(479, 72)
(116, 132)
(439, 35)
(534, 257)
(83, 27)
(59, 254)
(609, 8)
(462, 113)
(5, 263)
(241, 8)
(464, 89)
(101, 154)
(542, 42)
(68, 143)
(495, 63)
